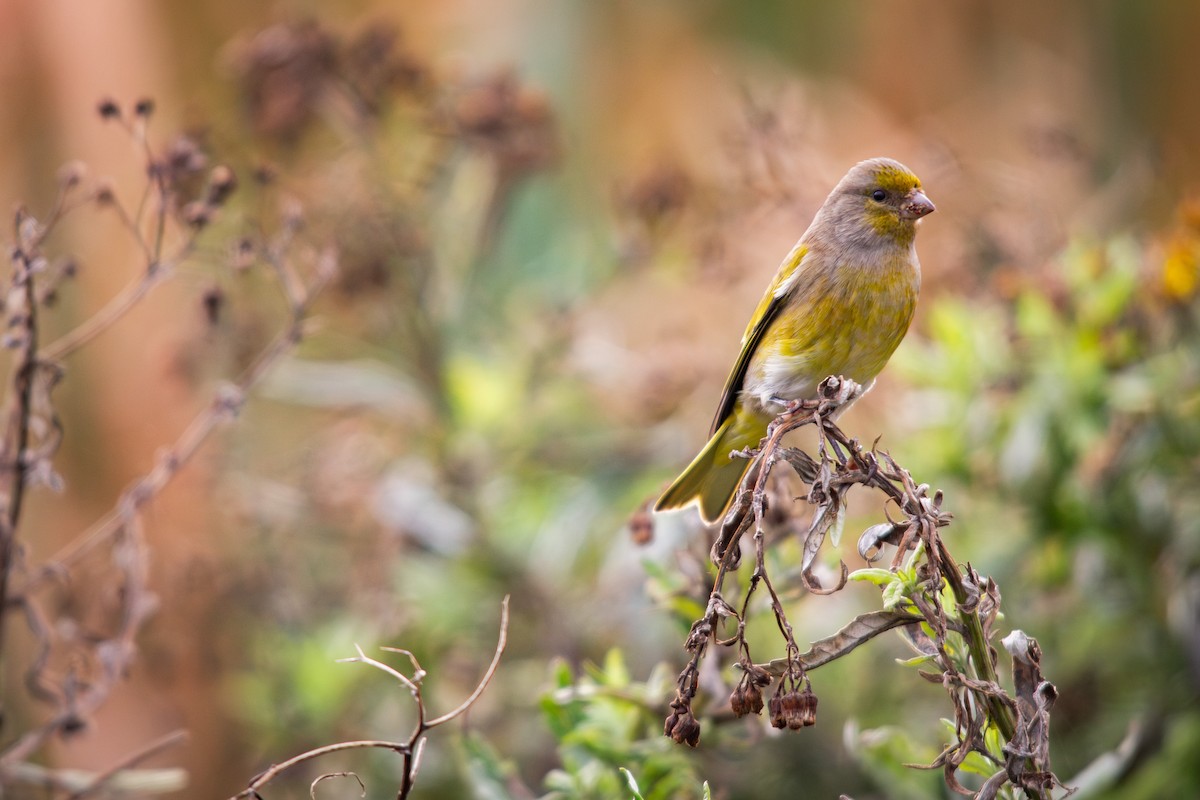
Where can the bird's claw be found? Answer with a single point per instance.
(836, 391)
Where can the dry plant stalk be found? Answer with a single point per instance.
(948, 613)
(75, 667)
(409, 749)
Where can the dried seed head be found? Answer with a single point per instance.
(757, 675)
(746, 698)
(221, 183)
(794, 709)
(108, 109)
(197, 214)
(243, 254)
(264, 174)
(775, 711)
(72, 174)
(283, 74)
(213, 301)
(184, 156)
(292, 213)
(73, 724)
(641, 527)
(682, 727)
(657, 194)
(105, 193)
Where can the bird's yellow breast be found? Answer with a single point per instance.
(845, 320)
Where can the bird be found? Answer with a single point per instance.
(839, 304)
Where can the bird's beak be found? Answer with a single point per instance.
(916, 205)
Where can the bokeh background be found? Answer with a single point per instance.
(554, 218)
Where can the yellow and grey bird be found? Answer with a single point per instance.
(839, 305)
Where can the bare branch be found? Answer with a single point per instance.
(312, 789)
(501, 641)
(109, 775)
(410, 749)
(362, 658)
(972, 683)
(265, 777)
(22, 323)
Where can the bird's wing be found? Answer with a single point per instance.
(774, 299)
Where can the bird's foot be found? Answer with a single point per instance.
(788, 406)
(836, 391)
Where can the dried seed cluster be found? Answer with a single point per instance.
(947, 612)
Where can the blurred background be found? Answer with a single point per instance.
(554, 219)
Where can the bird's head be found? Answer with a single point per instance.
(879, 196)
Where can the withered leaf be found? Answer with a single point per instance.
(857, 631)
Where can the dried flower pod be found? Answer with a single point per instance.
(799, 709)
(213, 301)
(775, 711)
(793, 709)
(184, 157)
(757, 675)
(641, 527)
(683, 727)
(72, 174)
(746, 698)
(221, 183)
(197, 214)
(104, 194)
(244, 254)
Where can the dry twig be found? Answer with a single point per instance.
(945, 609)
(74, 671)
(409, 749)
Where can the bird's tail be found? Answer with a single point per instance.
(713, 476)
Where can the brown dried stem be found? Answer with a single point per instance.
(100, 781)
(23, 324)
(410, 749)
(842, 462)
(226, 403)
(73, 674)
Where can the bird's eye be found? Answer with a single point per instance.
(879, 195)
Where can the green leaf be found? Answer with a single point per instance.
(896, 593)
(614, 672)
(915, 661)
(487, 774)
(632, 784)
(994, 741)
(561, 675)
(875, 575)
